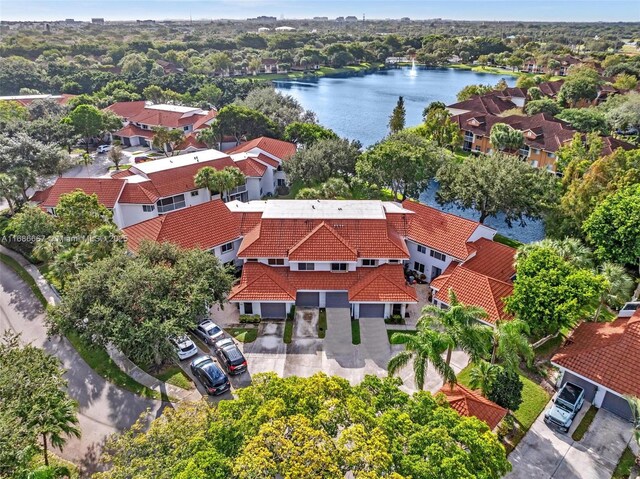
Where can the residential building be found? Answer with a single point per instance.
(604, 359)
(493, 103)
(322, 253)
(209, 226)
(543, 136)
(565, 62)
(25, 100)
(470, 403)
(141, 117)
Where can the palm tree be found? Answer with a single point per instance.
(206, 178)
(482, 376)
(570, 249)
(634, 404)
(57, 420)
(9, 190)
(509, 343)
(619, 286)
(208, 136)
(504, 137)
(423, 348)
(461, 325)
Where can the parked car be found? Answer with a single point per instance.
(230, 357)
(209, 331)
(185, 348)
(103, 148)
(214, 380)
(566, 404)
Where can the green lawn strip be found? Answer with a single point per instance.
(582, 428)
(623, 469)
(54, 461)
(355, 331)
(174, 375)
(199, 343)
(288, 331)
(98, 359)
(498, 238)
(25, 276)
(322, 323)
(534, 398)
(122, 167)
(391, 332)
(244, 335)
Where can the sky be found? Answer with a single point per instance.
(536, 10)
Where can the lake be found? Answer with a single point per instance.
(358, 107)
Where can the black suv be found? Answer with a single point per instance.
(230, 357)
(214, 380)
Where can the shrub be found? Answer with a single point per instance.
(395, 319)
(249, 318)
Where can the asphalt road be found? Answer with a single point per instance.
(103, 407)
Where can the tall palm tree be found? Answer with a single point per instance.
(206, 178)
(619, 287)
(509, 343)
(570, 249)
(461, 325)
(423, 348)
(482, 376)
(57, 420)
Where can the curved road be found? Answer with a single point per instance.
(104, 408)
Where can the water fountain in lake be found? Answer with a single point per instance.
(413, 72)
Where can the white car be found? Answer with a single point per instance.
(209, 331)
(185, 348)
(103, 148)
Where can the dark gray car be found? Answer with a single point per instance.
(230, 357)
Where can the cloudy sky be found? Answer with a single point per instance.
(558, 10)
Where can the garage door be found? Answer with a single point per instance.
(589, 388)
(273, 310)
(337, 300)
(617, 405)
(372, 310)
(311, 300)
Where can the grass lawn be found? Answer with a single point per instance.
(498, 238)
(122, 167)
(580, 431)
(535, 398)
(322, 323)
(54, 461)
(98, 359)
(288, 331)
(548, 349)
(244, 335)
(172, 374)
(355, 331)
(390, 332)
(623, 469)
(25, 276)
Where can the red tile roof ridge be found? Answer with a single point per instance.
(380, 273)
(460, 397)
(322, 226)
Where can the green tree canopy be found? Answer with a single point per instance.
(543, 105)
(322, 160)
(505, 137)
(281, 109)
(497, 183)
(398, 117)
(318, 427)
(440, 129)
(307, 134)
(242, 123)
(586, 120)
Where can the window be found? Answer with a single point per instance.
(477, 148)
(394, 261)
(252, 260)
(419, 267)
(195, 193)
(369, 262)
(338, 267)
(422, 249)
(536, 151)
(435, 272)
(437, 255)
(186, 128)
(276, 261)
(306, 266)
(550, 155)
(281, 182)
(248, 308)
(148, 208)
(172, 203)
(227, 247)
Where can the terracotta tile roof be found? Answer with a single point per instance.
(143, 193)
(203, 120)
(268, 160)
(605, 353)
(469, 403)
(127, 109)
(106, 189)
(166, 118)
(515, 92)
(203, 226)
(323, 243)
(121, 173)
(493, 103)
(611, 144)
(278, 148)
(476, 289)
(550, 88)
(251, 167)
(441, 231)
(492, 259)
(40, 195)
(274, 238)
(180, 180)
(385, 283)
(133, 130)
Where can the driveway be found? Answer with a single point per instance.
(103, 408)
(544, 453)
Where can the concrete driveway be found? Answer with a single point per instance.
(544, 453)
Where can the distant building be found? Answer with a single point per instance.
(69, 20)
(339, 19)
(97, 21)
(351, 19)
(405, 19)
(285, 29)
(146, 22)
(263, 18)
(321, 19)
(263, 29)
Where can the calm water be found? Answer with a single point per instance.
(359, 108)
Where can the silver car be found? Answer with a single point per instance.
(185, 348)
(209, 331)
